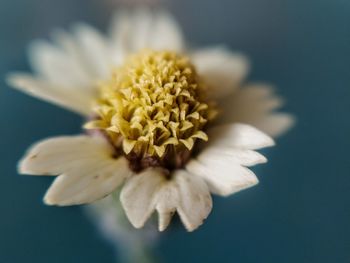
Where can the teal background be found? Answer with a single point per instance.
(300, 211)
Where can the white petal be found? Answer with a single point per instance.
(138, 195)
(151, 190)
(57, 66)
(275, 124)
(85, 165)
(221, 163)
(166, 203)
(188, 195)
(88, 183)
(232, 155)
(141, 25)
(221, 70)
(68, 71)
(195, 202)
(119, 32)
(71, 99)
(51, 156)
(94, 48)
(222, 176)
(238, 135)
(89, 50)
(256, 105)
(167, 33)
(132, 31)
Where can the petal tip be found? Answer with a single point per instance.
(14, 80)
(162, 228)
(48, 200)
(136, 224)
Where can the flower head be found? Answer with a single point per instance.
(173, 125)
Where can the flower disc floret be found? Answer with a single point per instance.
(154, 106)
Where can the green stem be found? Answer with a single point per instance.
(132, 246)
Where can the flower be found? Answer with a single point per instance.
(168, 125)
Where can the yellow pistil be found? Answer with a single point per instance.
(154, 106)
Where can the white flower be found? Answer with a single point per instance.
(90, 167)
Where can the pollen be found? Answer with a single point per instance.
(154, 107)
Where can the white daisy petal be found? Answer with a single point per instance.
(275, 124)
(68, 43)
(151, 190)
(221, 163)
(87, 182)
(132, 31)
(119, 33)
(94, 47)
(188, 195)
(242, 157)
(256, 105)
(85, 165)
(138, 195)
(166, 203)
(56, 66)
(141, 24)
(223, 176)
(195, 203)
(221, 70)
(166, 33)
(67, 98)
(51, 156)
(240, 136)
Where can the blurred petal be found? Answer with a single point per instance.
(85, 165)
(67, 98)
(220, 69)
(256, 105)
(141, 26)
(57, 66)
(239, 136)
(68, 71)
(167, 33)
(95, 51)
(119, 32)
(275, 124)
(132, 31)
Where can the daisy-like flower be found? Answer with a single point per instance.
(167, 124)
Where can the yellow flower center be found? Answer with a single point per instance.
(154, 108)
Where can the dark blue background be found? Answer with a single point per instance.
(300, 212)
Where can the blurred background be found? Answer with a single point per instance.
(300, 211)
